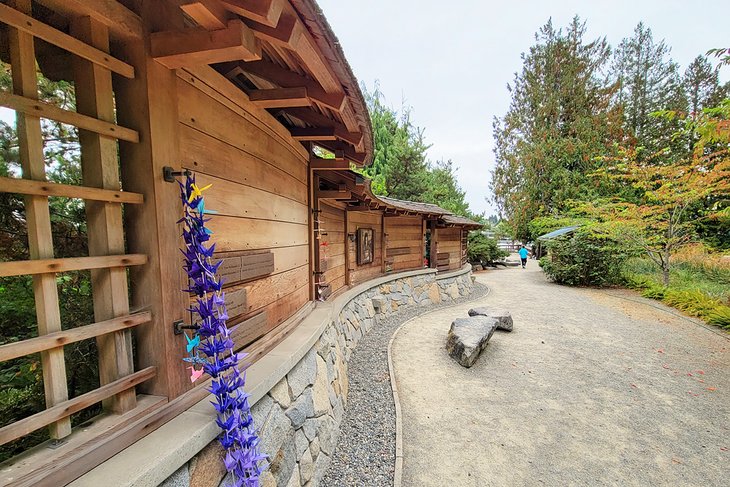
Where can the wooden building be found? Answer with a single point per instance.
(249, 95)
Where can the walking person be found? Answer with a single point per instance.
(524, 253)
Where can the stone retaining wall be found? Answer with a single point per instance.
(300, 417)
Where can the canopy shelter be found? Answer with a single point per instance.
(554, 234)
(558, 232)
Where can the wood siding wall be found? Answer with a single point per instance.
(405, 242)
(259, 177)
(449, 255)
(332, 254)
(362, 219)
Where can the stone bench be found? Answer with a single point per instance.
(503, 317)
(468, 337)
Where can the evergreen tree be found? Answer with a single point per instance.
(560, 119)
(702, 85)
(648, 81)
(400, 168)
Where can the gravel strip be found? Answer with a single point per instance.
(365, 453)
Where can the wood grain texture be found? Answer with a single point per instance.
(19, 20)
(120, 21)
(65, 337)
(67, 408)
(100, 169)
(208, 115)
(232, 199)
(205, 154)
(45, 188)
(364, 272)
(198, 47)
(37, 214)
(231, 233)
(333, 221)
(41, 109)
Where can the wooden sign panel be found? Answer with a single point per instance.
(399, 251)
(239, 267)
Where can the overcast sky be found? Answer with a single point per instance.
(451, 60)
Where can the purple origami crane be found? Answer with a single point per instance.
(238, 435)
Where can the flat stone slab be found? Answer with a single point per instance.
(468, 337)
(503, 317)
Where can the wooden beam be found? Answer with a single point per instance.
(194, 47)
(120, 21)
(290, 33)
(280, 98)
(44, 188)
(67, 408)
(433, 250)
(330, 165)
(344, 151)
(54, 36)
(266, 12)
(45, 266)
(105, 228)
(284, 34)
(317, 119)
(289, 79)
(38, 219)
(325, 195)
(40, 109)
(209, 14)
(313, 134)
(73, 335)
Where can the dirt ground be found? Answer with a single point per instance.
(591, 388)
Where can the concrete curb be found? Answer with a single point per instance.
(398, 475)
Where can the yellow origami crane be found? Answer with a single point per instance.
(197, 191)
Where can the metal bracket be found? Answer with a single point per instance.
(169, 174)
(179, 325)
(56, 443)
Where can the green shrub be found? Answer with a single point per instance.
(720, 316)
(585, 258)
(654, 292)
(484, 249)
(695, 303)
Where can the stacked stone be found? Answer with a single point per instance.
(299, 419)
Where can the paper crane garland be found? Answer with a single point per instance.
(238, 435)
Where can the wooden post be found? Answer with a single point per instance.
(383, 243)
(40, 239)
(313, 242)
(100, 169)
(347, 248)
(433, 251)
(148, 103)
(317, 216)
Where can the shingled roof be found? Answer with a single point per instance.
(444, 216)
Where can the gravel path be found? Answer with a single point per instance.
(589, 389)
(365, 454)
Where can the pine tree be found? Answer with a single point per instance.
(702, 85)
(648, 81)
(560, 119)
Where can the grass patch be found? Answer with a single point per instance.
(699, 284)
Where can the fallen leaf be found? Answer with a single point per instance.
(700, 372)
(701, 381)
(661, 350)
(712, 389)
(634, 386)
(722, 448)
(666, 366)
(689, 374)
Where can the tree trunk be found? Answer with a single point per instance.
(665, 269)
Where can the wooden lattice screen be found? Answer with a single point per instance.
(98, 134)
